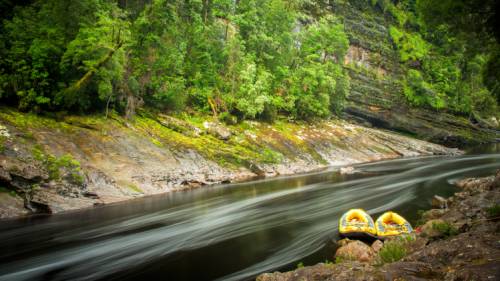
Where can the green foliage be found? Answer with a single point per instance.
(12, 193)
(339, 259)
(253, 59)
(411, 46)
(421, 220)
(300, 265)
(445, 229)
(92, 47)
(2, 143)
(475, 18)
(227, 118)
(441, 84)
(420, 93)
(52, 44)
(388, 7)
(493, 211)
(133, 187)
(65, 164)
(271, 156)
(491, 72)
(319, 85)
(464, 61)
(395, 249)
(392, 251)
(244, 58)
(253, 93)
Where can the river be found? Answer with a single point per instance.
(226, 232)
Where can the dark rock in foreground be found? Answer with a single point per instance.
(458, 243)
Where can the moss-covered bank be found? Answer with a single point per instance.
(53, 164)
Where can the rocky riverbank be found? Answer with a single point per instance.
(58, 163)
(459, 240)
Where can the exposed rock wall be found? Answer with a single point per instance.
(377, 75)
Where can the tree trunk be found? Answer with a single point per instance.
(86, 78)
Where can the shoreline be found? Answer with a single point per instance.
(51, 166)
(469, 218)
(256, 178)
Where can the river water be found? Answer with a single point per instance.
(227, 232)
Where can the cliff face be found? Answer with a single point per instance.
(49, 165)
(377, 75)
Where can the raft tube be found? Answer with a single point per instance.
(356, 223)
(392, 224)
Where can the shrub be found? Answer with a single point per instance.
(446, 229)
(421, 93)
(228, 118)
(411, 46)
(339, 259)
(395, 249)
(392, 251)
(493, 211)
(2, 143)
(66, 163)
(421, 220)
(167, 93)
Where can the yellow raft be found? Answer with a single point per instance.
(356, 223)
(392, 224)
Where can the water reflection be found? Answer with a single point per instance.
(231, 232)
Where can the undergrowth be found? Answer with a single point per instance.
(445, 228)
(394, 250)
(56, 165)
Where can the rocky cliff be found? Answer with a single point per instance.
(376, 97)
(55, 164)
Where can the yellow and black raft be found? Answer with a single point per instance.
(392, 224)
(356, 223)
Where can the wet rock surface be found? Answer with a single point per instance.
(471, 251)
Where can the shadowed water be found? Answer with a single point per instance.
(230, 232)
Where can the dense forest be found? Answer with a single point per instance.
(252, 59)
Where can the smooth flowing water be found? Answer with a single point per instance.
(227, 232)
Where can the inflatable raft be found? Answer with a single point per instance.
(356, 223)
(392, 224)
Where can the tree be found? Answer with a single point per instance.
(319, 85)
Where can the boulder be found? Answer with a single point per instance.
(90, 194)
(217, 130)
(430, 231)
(11, 205)
(439, 202)
(355, 251)
(4, 175)
(344, 242)
(496, 181)
(347, 170)
(179, 126)
(4, 132)
(377, 246)
(478, 184)
(433, 214)
(494, 122)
